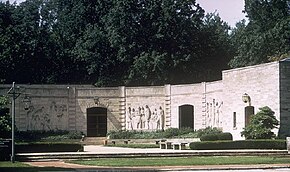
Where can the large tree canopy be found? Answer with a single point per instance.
(120, 42)
(267, 35)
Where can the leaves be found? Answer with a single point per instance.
(109, 43)
(267, 34)
(261, 125)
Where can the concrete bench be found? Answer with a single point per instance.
(176, 144)
(179, 145)
(165, 145)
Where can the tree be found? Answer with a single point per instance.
(266, 35)
(216, 48)
(5, 118)
(261, 125)
(109, 43)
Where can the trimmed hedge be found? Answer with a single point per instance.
(216, 136)
(5, 149)
(48, 147)
(242, 144)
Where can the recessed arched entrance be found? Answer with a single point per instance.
(96, 122)
(186, 116)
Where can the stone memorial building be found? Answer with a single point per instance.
(226, 104)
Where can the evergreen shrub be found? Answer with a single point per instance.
(216, 136)
(48, 147)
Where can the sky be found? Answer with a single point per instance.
(229, 10)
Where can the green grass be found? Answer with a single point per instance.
(21, 167)
(182, 161)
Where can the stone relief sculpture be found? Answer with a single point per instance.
(47, 118)
(129, 125)
(144, 119)
(213, 113)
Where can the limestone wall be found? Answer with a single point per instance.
(214, 104)
(143, 107)
(48, 109)
(260, 82)
(284, 99)
(108, 98)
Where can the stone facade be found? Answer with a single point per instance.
(209, 104)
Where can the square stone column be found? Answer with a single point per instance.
(288, 144)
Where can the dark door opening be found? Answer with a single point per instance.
(96, 122)
(186, 116)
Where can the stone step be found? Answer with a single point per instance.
(163, 153)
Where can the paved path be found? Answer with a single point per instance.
(118, 150)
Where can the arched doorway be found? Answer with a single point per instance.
(186, 116)
(96, 122)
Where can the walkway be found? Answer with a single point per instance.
(115, 151)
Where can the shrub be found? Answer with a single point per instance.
(32, 136)
(261, 125)
(48, 147)
(209, 137)
(225, 136)
(207, 130)
(5, 118)
(244, 144)
(5, 149)
(216, 136)
(120, 134)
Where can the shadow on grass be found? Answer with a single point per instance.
(35, 169)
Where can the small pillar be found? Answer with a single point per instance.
(288, 144)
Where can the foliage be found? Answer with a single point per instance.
(159, 134)
(207, 130)
(47, 136)
(261, 125)
(5, 119)
(265, 36)
(168, 133)
(216, 136)
(113, 42)
(48, 147)
(242, 144)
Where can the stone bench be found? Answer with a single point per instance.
(176, 144)
(165, 145)
(179, 145)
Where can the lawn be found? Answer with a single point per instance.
(182, 161)
(21, 167)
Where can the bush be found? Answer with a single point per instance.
(5, 118)
(48, 147)
(5, 149)
(225, 136)
(59, 135)
(216, 136)
(244, 144)
(209, 137)
(169, 133)
(208, 130)
(261, 125)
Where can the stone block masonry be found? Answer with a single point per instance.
(96, 111)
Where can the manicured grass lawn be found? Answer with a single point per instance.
(182, 161)
(6, 166)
